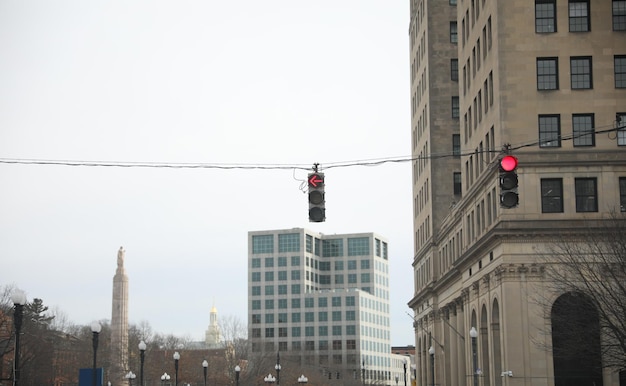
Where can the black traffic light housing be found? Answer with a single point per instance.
(317, 201)
(509, 197)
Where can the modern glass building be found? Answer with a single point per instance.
(322, 300)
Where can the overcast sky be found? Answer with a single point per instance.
(277, 82)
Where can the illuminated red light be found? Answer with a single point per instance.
(508, 163)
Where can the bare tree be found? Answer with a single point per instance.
(590, 268)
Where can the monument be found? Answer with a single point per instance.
(119, 323)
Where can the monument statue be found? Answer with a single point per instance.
(120, 257)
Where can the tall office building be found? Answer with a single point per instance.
(321, 301)
(544, 80)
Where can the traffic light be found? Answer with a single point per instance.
(509, 198)
(317, 209)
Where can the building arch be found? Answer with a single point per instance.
(496, 345)
(576, 345)
(483, 336)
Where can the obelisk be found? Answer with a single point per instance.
(119, 323)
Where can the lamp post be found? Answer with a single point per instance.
(19, 299)
(176, 357)
(237, 370)
(431, 351)
(397, 380)
(302, 379)
(474, 335)
(142, 356)
(404, 372)
(130, 376)
(205, 367)
(269, 379)
(277, 368)
(95, 331)
(164, 377)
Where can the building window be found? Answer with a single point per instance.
(621, 128)
(332, 248)
(358, 246)
(551, 195)
(255, 263)
(580, 68)
(269, 290)
(586, 195)
(256, 290)
(269, 332)
(323, 331)
(620, 71)
(579, 16)
(547, 73)
(350, 301)
(350, 315)
(309, 331)
(269, 318)
(263, 244)
(352, 278)
(282, 289)
(457, 183)
(453, 33)
(455, 107)
(289, 243)
(322, 316)
(256, 332)
(282, 304)
(550, 130)
(619, 15)
(256, 304)
(336, 315)
(622, 194)
(269, 304)
(309, 317)
(454, 69)
(295, 317)
(256, 319)
(456, 145)
(583, 130)
(256, 276)
(336, 301)
(545, 16)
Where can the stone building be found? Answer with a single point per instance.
(545, 81)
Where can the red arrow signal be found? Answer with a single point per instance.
(316, 180)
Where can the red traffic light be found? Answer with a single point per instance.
(316, 180)
(508, 163)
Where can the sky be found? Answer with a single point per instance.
(267, 87)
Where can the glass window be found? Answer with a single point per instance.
(282, 317)
(282, 261)
(295, 332)
(332, 248)
(295, 261)
(322, 316)
(322, 302)
(352, 278)
(365, 264)
(456, 146)
(622, 194)
(295, 275)
(323, 330)
(309, 243)
(255, 263)
(547, 73)
(256, 319)
(269, 276)
(256, 290)
(282, 275)
(337, 330)
(282, 333)
(552, 195)
(323, 346)
(256, 332)
(350, 301)
(269, 304)
(338, 279)
(263, 244)
(309, 331)
(455, 107)
(620, 71)
(295, 289)
(309, 302)
(282, 304)
(255, 276)
(454, 69)
(351, 330)
(457, 182)
(309, 316)
(454, 37)
(269, 262)
(365, 277)
(295, 317)
(289, 242)
(269, 290)
(550, 130)
(269, 332)
(269, 318)
(351, 265)
(336, 301)
(338, 265)
(350, 315)
(358, 246)
(336, 316)
(545, 16)
(256, 304)
(619, 15)
(579, 16)
(583, 130)
(295, 303)
(621, 131)
(586, 194)
(581, 75)
(282, 289)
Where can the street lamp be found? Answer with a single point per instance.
(431, 351)
(277, 368)
(19, 299)
(95, 331)
(269, 379)
(164, 377)
(404, 372)
(130, 376)
(474, 335)
(142, 355)
(237, 370)
(205, 367)
(302, 379)
(176, 358)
